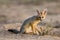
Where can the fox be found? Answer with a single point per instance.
(30, 25)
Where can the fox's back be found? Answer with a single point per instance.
(29, 20)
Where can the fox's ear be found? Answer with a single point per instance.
(44, 11)
(38, 12)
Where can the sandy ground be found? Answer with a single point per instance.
(5, 35)
(15, 15)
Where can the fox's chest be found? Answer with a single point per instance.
(35, 22)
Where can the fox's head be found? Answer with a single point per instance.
(42, 15)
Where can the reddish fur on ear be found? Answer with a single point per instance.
(38, 12)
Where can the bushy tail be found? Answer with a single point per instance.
(14, 31)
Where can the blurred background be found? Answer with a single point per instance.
(16, 11)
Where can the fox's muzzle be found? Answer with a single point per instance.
(40, 18)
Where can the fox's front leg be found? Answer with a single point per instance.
(33, 29)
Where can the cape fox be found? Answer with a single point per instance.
(29, 26)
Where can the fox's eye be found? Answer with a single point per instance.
(42, 17)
